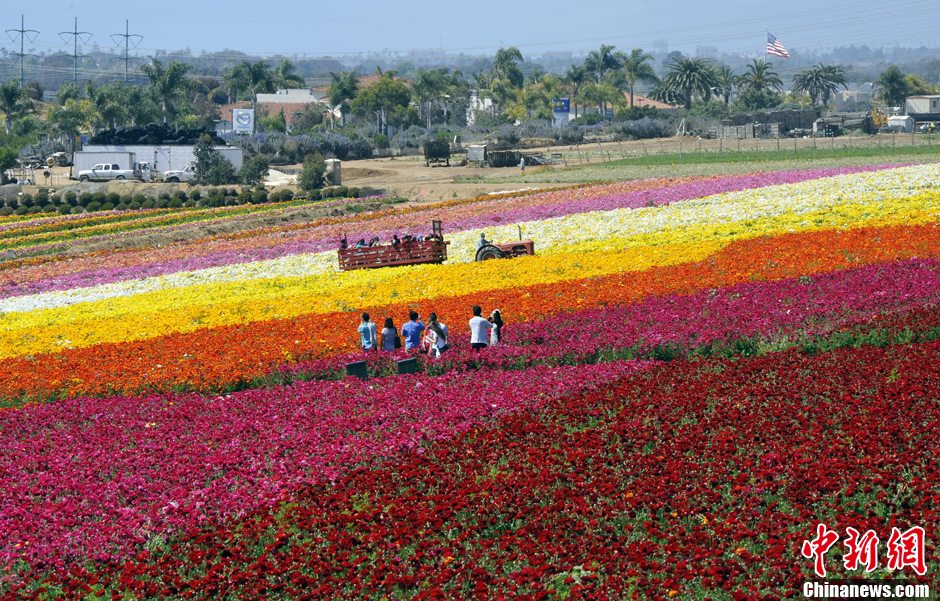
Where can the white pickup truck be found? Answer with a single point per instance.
(103, 172)
(187, 174)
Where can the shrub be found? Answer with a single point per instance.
(352, 192)
(259, 196)
(380, 141)
(179, 195)
(106, 206)
(196, 195)
(5, 211)
(35, 210)
(13, 203)
(114, 198)
(121, 206)
(314, 195)
(148, 203)
(312, 176)
(134, 204)
(48, 207)
(21, 210)
(162, 203)
(27, 200)
(231, 201)
(175, 203)
(42, 196)
(85, 199)
(71, 198)
(244, 197)
(93, 206)
(76, 210)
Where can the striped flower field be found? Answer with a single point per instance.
(696, 372)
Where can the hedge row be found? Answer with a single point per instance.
(90, 202)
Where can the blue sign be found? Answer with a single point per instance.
(561, 105)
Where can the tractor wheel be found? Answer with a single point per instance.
(489, 252)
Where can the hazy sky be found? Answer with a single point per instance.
(268, 27)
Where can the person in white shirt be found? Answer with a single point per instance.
(479, 329)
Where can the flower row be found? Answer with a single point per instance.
(215, 358)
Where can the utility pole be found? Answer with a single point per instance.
(75, 34)
(22, 34)
(127, 42)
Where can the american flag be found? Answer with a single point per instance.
(775, 48)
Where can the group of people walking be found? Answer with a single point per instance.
(432, 338)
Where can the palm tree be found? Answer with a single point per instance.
(237, 81)
(14, 102)
(506, 66)
(760, 77)
(599, 62)
(343, 89)
(576, 77)
(110, 101)
(636, 68)
(821, 81)
(689, 76)
(430, 86)
(892, 86)
(725, 80)
(167, 84)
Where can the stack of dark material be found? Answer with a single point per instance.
(155, 133)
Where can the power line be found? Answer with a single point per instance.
(137, 39)
(76, 34)
(23, 33)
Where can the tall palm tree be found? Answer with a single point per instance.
(167, 84)
(725, 80)
(821, 81)
(430, 86)
(600, 62)
(237, 81)
(636, 68)
(892, 86)
(14, 102)
(343, 89)
(506, 66)
(689, 76)
(111, 102)
(576, 77)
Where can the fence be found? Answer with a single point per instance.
(596, 152)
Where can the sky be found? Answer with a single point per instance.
(344, 29)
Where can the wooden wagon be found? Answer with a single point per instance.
(410, 252)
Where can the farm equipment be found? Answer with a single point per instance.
(509, 250)
(437, 152)
(433, 249)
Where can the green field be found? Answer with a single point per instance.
(717, 163)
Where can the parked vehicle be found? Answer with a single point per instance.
(58, 159)
(103, 172)
(186, 175)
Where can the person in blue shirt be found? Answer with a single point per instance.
(367, 333)
(412, 330)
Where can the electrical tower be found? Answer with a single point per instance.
(129, 38)
(22, 34)
(76, 35)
